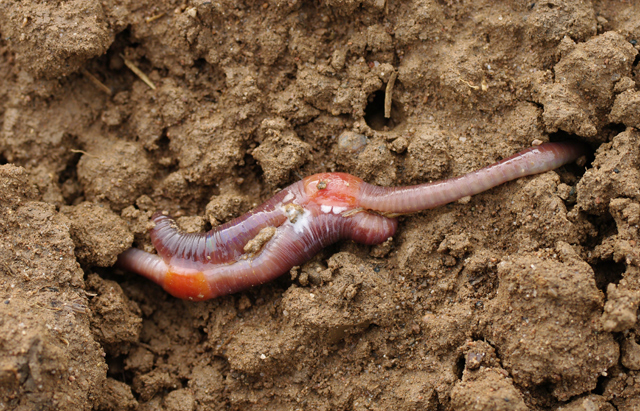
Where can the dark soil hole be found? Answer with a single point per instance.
(251, 171)
(611, 130)
(599, 390)
(563, 136)
(3, 160)
(112, 65)
(459, 368)
(606, 226)
(163, 143)
(615, 128)
(70, 170)
(110, 69)
(542, 394)
(607, 272)
(116, 369)
(374, 113)
(68, 179)
(572, 172)
(163, 150)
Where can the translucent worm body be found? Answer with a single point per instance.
(310, 214)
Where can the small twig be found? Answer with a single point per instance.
(468, 83)
(95, 81)
(154, 18)
(388, 94)
(73, 150)
(138, 72)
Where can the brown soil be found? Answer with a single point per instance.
(524, 297)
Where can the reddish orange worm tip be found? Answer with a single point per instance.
(333, 189)
(189, 286)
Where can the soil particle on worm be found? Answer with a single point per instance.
(524, 297)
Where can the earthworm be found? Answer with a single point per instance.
(301, 219)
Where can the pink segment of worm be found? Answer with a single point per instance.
(307, 216)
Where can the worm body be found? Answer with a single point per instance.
(310, 214)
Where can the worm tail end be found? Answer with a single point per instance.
(143, 263)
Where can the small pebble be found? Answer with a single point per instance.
(350, 142)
